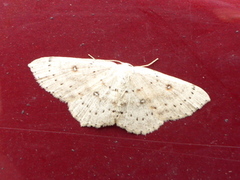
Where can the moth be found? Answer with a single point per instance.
(110, 92)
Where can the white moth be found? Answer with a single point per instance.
(103, 93)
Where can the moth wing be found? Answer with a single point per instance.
(154, 98)
(89, 87)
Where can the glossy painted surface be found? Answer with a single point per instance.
(197, 41)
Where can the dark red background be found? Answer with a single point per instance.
(198, 41)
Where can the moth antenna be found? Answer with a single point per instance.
(149, 64)
(91, 56)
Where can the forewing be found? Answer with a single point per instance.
(154, 98)
(90, 87)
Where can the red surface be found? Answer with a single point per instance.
(198, 41)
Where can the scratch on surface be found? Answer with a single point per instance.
(143, 144)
